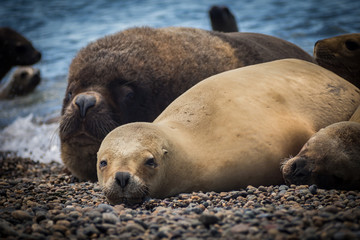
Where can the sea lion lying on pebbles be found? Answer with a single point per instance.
(330, 159)
(134, 74)
(228, 131)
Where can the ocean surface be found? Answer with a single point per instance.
(59, 29)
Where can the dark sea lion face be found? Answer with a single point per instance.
(99, 97)
(89, 114)
(17, 49)
(330, 159)
(340, 55)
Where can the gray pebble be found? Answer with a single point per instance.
(110, 218)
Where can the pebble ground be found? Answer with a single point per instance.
(42, 201)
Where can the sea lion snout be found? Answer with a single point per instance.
(122, 178)
(84, 102)
(296, 170)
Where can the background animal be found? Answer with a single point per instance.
(222, 19)
(15, 50)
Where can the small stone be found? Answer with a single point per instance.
(313, 189)
(6, 229)
(240, 228)
(105, 207)
(208, 219)
(134, 227)
(331, 209)
(21, 215)
(283, 187)
(110, 218)
(90, 230)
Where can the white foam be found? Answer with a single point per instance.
(28, 139)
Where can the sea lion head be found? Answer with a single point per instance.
(341, 55)
(330, 159)
(16, 49)
(222, 19)
(24, 80)
(131, 163)
(103, 92)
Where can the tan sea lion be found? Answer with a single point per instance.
(134, 74)
(15, 50)
(22, 81)
(340, 54)
(222, 19)
(330, 159)
(226, 132)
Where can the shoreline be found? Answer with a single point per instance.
(42, 201)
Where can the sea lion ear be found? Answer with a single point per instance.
(165, 151)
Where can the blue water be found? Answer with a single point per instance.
(60, 28)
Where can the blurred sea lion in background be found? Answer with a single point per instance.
(15, 50)
(222, 19)
(22, 81)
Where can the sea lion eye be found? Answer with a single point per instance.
(351, 45)
(103, 163)
(130, 95)
(68, 96)
(150, 162)
(23, 75)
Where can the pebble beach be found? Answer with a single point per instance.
(43, 201)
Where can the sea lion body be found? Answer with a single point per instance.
(134, 74)
(15, 50)
(341, 55)
(226, 132)
(330, 158)
(22, 81)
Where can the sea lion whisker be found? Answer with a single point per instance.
(283, 161)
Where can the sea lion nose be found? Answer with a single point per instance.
(299, 168)
(122, 178)
(84, 102)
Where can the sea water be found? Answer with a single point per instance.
(61, 28)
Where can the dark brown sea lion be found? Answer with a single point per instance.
(134, 74)
(15, 50)
(228, 131)
(222, 19)
(23, 81)
(340, 54)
